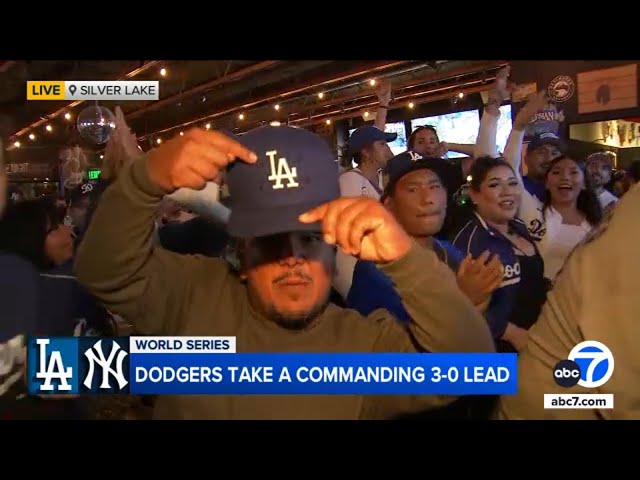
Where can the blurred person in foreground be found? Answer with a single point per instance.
(595, 297)
(287, 213)
(634, 171)
(18, 313)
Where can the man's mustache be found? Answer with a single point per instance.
(292, 274)
(431, 211)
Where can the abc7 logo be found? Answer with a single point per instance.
(597, 366)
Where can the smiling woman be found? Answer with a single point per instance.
(514, 306)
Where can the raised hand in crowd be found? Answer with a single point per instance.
(500, 92)
(479, 277)
(121, 148)
(190, 161)
(383, 92)
(535, 104)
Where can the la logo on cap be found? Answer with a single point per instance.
(281, 172)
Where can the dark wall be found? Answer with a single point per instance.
(32, 163)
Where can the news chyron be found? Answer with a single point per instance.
(71, 90)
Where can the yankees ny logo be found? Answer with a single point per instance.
(105, 365)
(54, 370)
(281, 172)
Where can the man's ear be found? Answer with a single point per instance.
(388, 203)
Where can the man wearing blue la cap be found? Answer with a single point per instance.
(285, 211)
(369, 148)
(416, 195)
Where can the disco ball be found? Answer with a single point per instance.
(96, 124)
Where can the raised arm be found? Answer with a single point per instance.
(513, 149)
(384, 98)
(486, 144)
(117, 260)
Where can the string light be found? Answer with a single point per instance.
(320, 95)
(163, 72)
(67, 116)
(32, 136)
(16, 144)
(48, 128)
(181, 134)
(159, 141)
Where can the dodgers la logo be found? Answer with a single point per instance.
(414, 156)
(281, 172)
(52, 370)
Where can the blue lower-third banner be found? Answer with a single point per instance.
(211, 366)
(323, 374)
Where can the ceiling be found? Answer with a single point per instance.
(227, 94)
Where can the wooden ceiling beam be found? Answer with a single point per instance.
(316, 84)
(227, 78)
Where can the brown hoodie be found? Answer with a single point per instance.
(164, 293)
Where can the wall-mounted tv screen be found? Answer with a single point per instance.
(458, 127)
(462, 127)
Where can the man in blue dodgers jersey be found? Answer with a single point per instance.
(287, 212)
(416, 196)
(595, 297)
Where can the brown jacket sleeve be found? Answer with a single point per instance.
(443, 320)
(595, 297)
(118, 263)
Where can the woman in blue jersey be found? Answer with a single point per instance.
(515, 305)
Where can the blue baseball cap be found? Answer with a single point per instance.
(296, 171)
(362, 137)
(407, 162)
(540, 139)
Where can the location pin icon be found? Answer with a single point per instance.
(72, 89)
